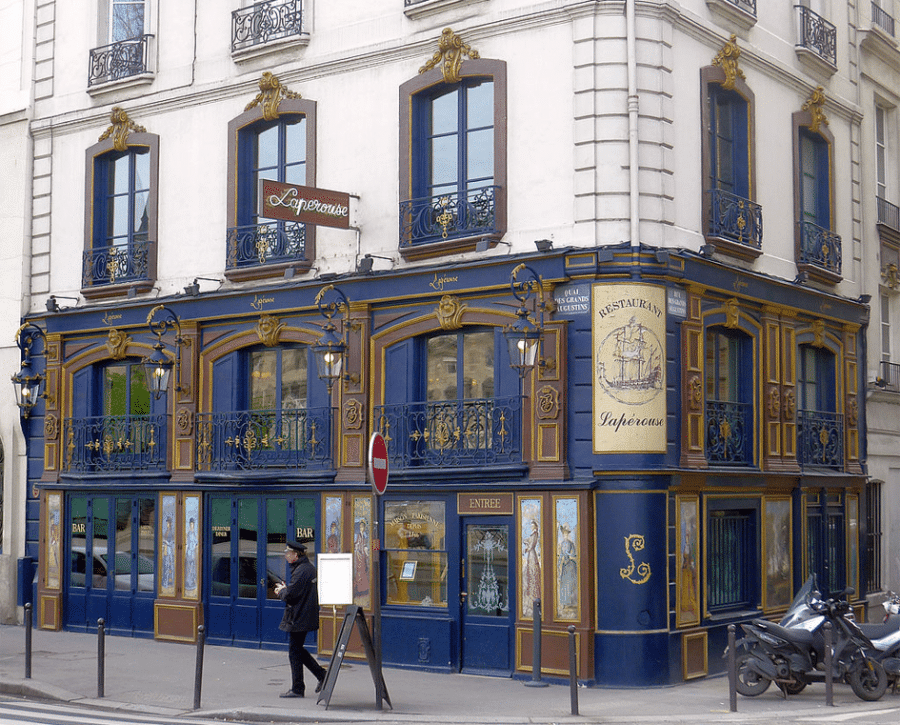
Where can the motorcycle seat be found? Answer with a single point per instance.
(792, 634)
(883, 629)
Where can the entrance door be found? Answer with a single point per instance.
(487, 615)
(248, 534)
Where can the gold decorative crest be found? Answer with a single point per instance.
(120, 129)
(268, 328)
(450, 56)
(890, 274)
(547, 403)
(353, 414)
(117, 343)
(815, 105)
(635, 542)
(774, 402)
(271, 93)
(727, 60)
(732, 313)
(449, 312)
(818, 328)
(51, 427)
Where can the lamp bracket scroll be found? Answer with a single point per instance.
(331, 350)
(158, 365)
(525, 337)
(29, 384)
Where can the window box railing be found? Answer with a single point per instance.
(265, 22)
(889, 379)
(888, 214)
(729, 433)
(820, 439)
(472, 432)
(118, 61)
(816, 34)
(115, 265)
(448, 216)
(820, 248)
(264, 439)
(881, 19)
(109, 443)
(267, 243)
(734, 218)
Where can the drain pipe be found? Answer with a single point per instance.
(633, 169)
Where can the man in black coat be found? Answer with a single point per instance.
(301, 616)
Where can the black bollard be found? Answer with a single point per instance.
(28, 641)
(198, 670)
(535, 680)
(732, 670)
(573, 670)
(829, 676)
(101, 657)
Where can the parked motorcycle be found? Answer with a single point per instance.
(792, 653)
(886, 639)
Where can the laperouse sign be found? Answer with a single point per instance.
(290, 202)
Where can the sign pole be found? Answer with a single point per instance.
(378, 477)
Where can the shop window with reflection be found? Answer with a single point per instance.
(820, 428)
(416, 550)
(729, 398)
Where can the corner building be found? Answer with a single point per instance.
(686, 444)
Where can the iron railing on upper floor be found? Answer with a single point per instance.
(816, 34)
(736, 219)
(264, 22)
(448, 216)
(109, 443)
(820, 439)
(882, 19)
(820, 247)
(729, 433)
(117, 61)
(888, 214)
(271, 242)
(116, 264)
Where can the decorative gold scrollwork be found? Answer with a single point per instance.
(890, 274)
(643, 569)
(271, 93)
(774, 402)
(732, 313)
(852, 412)
(789, 405)
(818, 328)
(727, 60)
(120, 129)
(815, 105)
(449, 312)
(353, 414)
(184, 420)
(449, 54)
(547, 403)
(268, 328)
(117, 343)
(51, 427)
(695, 392)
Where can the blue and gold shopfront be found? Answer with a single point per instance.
(682, 450)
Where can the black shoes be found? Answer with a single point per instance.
(291, 693)
(321, 682)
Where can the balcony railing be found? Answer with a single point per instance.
(734, 218)
(820, 247)
(113, 265)
(816, 34)
(448, 216)
(889, 379)
(111, 443)
(882, 19)
(729, 433)
(124, 59)
(264, 439)
(265, 22)
(266, 243)
(748, 6)
(472, 432)
(888, 214)
(820, 439)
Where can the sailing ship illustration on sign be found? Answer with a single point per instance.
(629, 364)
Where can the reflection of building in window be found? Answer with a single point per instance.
(416, 555)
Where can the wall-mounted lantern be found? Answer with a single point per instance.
(158, 365)
(29, 385)
(331, 349)
(525, 336)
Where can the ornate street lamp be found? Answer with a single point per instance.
(158, 365)
(331, 349)
(525, 336)
(29, 385)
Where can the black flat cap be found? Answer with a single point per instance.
(295, 546)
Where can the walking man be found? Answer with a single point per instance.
(301, 616)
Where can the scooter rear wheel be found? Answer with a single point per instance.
(868, 680)
(795, 687)
(748, 682)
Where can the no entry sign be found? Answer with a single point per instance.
(378, 463)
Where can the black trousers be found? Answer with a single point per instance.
(298, 657)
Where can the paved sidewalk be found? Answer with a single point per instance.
(147, 676)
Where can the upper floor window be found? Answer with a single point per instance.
(256, 26)
(453, 172)
(125, 19)
(820, 428)
(277, 147)
(729, 398)
(124, 50)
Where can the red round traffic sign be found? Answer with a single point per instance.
(378, 463)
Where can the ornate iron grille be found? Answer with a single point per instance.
(890, 376)
(264, 22)
(817, 34)
(115, 443)
(820, 247)
(255, 245)
(746, 5)
(731, 557)
(888, 214)
(448, 216)
(116, 61)
(476, 431)
(111, 265)
(820, 439)
(735, 218)
(882, 19)
(254, 439)
(729, 433)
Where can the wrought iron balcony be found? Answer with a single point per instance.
(816, 34)
(448, 216)
(889, 379)
(124, 59)
(108, 443)
(888, 214)
(820, 248)
(272, 242)
(882, 19)
(729, 433)
(472, 432)
(820, 439)
(264, 439)
(734, 218)
(748, 6)
(114, 265)
(265, 22)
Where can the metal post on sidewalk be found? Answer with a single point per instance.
(101, 657)
(28, 641)
(535, 680)
(829, 675)
(573, 670)
(732, 669)
(198, 669)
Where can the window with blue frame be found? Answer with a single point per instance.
(123, 39)
(820, 428)
(729, 397)
(454, 141)
(732, 578)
